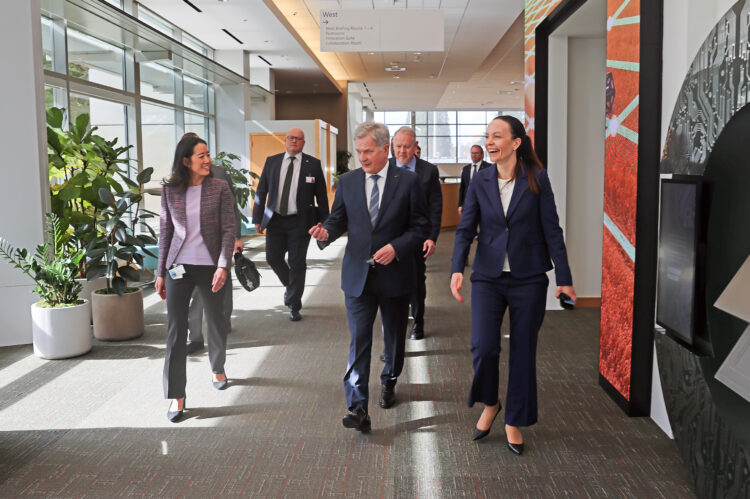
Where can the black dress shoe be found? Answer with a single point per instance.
(480, 434)
(382, 357)
(194, 346)
(294, 315)
(221, 385)
(517, 449)
(417, 332)
(357, 419)
(387, 396)
(175, 416)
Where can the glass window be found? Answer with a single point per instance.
(197, 124)
(441, 117)
(420, 117)
(195, 94)
(441, 149)
(196, 45)
(464, 147)
(95, 60)
(472, 117)
(398, 118)
(473, 130)
(433, 130)
(116, 3)
(157, 81)
(158, 142)
(108, 116)
(154, 21)
(47, 43)
(521, 115)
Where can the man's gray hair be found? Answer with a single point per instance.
(378, 132)
(407, 130)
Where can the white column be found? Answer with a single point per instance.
(24, 189)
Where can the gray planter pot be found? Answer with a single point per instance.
(89, 287)
(59, 333)
(117, 317)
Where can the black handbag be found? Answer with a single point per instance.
(246, 272)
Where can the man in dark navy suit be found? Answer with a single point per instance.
(382, 209)
(291, 196)
(467, 173)
(405, 146)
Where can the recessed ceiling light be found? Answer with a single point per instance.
(396, 76)
(371, 53)
(417, 53)
(516, 83)
(395, 69)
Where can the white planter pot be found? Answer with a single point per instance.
(118, 317)
(91, 286)
(59, 333)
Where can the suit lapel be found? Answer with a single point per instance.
(361, 198)
(493, 192)
(522, 181)
(304, 166)
(273, 187)
(391, 183)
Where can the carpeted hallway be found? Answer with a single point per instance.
(96, 425)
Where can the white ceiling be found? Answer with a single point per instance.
(483, 49)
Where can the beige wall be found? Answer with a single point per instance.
(327, 107)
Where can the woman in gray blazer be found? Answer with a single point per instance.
(195, 250)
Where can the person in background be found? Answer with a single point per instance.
(513, 207)
(404, 145)
(418, 151)
(195, 311)
(196, 239)
(468, 172)
(382, 210)
(290, 198)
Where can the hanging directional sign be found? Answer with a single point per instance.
(388, 30)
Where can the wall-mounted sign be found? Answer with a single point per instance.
(390, 30)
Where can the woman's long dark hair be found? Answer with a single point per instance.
(525, 151)
(180, 173)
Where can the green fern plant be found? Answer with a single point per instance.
(241, 188)
(53, 267)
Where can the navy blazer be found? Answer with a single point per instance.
(401, 222)
(429, 183)
(530, 232)
(466, 179)
(312, 197)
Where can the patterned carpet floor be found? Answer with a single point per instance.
(95, 426)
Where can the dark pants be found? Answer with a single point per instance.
(286, 236)
(419, 294)
(361, 311)
(526, 300)
(195, 313)
(178, 300)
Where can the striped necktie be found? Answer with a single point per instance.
(374, 199)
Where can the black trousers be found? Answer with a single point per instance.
(178, 301)
(419, 294)
(285, 235)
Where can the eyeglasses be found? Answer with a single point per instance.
(294, 139)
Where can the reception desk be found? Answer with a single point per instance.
(450, 205)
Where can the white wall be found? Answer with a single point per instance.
(23, 194)
(585, 153)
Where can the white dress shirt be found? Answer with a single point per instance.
(381, 185)
(292, 188)
(506, 192)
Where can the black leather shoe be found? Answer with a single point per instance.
(175, 416)
(480, 434)
(194, 346)
(517, 449)
(357, 419)
(294, 315)
(221, 385)
(417, 333)
(382, 357)
(387, 396)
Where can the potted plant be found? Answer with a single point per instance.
(81, 163)
(60, 320)
(342, 166)
(116, 253)
(241, 187)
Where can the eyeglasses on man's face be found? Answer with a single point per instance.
(294, 139)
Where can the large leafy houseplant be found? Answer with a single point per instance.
(80, 164)
(241, 187)
(118, 245)
(53, 266)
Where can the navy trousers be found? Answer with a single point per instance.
(526, 301)
(284, 236)
(361, 311)
(419, 294)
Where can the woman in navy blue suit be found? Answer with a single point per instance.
(513, 207)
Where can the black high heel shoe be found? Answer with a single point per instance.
(480, 434)
(516, 449)
(175, 416)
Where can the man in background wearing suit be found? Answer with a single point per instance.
(382, 209)
(290, 198)
(467, 173)
(405, 145)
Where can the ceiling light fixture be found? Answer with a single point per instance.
(395, 69)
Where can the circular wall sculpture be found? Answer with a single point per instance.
(708, 136)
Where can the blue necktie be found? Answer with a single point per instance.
(374, 198)
(475, 171)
